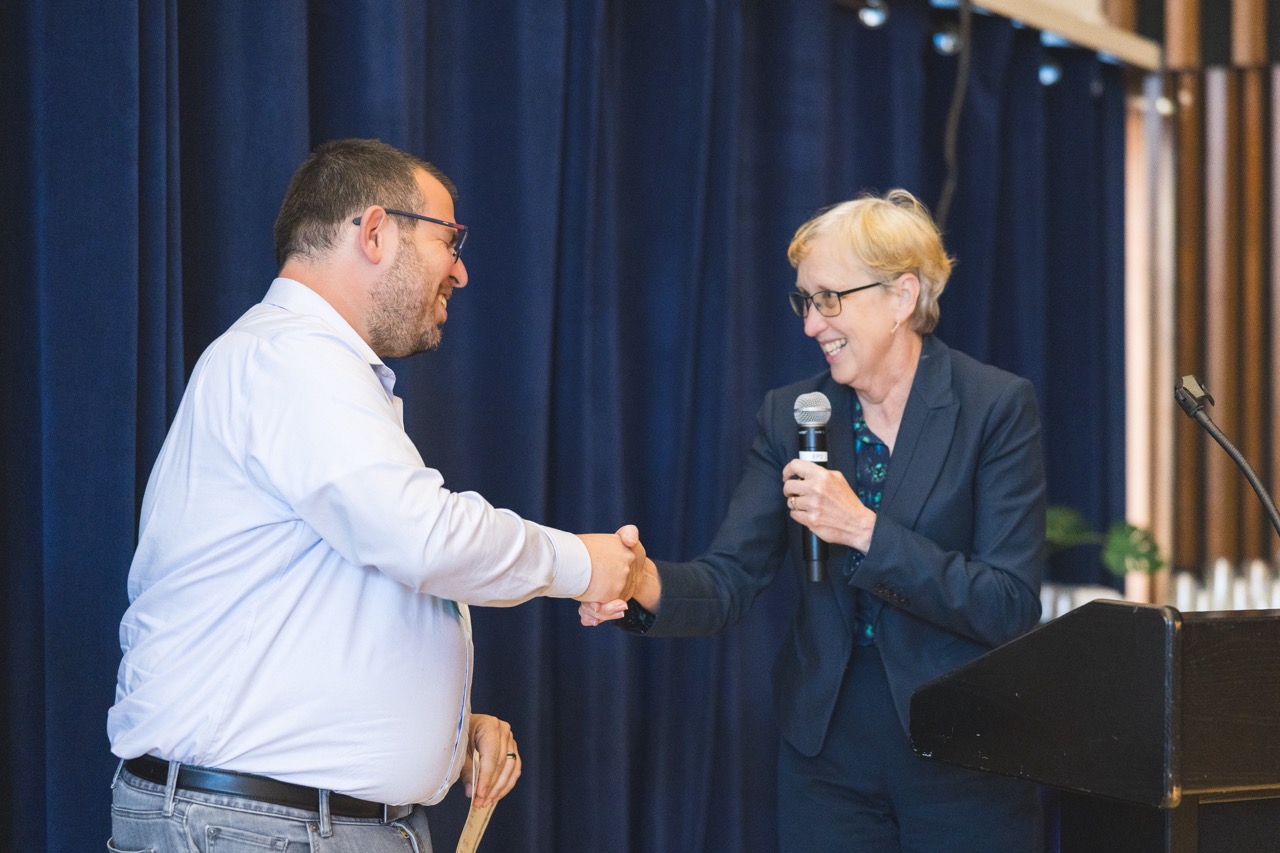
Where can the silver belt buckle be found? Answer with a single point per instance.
(394, 813)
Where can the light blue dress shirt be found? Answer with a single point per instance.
(292, 598)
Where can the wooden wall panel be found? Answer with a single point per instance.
(1150, 425)
(1222, 305)
(1169, 418)
(1227, 291)
(1182, 34)
(1271, 470)
(1249, 33)
(1188, 492)
(1253, 434)
(1141, 308)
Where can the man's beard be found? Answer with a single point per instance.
(398, 306)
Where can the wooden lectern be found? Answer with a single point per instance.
(1162, 728)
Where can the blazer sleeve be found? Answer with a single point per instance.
(974, 560)
(714, 591)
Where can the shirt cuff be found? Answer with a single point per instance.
(572, 571)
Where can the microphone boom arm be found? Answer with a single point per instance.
(1191, 396)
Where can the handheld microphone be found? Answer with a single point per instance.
(812, 412)
(1191, 396)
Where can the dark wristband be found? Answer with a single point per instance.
(637, 619)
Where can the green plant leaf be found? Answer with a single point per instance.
(1066, 528)
(1130, 549)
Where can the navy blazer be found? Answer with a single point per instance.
(956, 558)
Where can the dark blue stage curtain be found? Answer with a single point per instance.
(632, 173)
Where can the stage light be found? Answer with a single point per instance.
(873, 14)
(946, 40)
(1050, 72)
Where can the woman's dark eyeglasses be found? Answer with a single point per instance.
(827, 301)
(455, 247)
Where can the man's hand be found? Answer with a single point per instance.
(499, 760)
(647, 589)
(617, 563)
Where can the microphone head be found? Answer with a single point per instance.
(812, 409)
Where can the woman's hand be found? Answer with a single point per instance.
(821, 500)
(592, 613)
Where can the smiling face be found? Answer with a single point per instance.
(856, 341)
(409, 304)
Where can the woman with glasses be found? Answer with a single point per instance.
(932, 507)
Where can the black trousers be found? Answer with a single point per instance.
(868, 792)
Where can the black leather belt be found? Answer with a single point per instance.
(261, 788)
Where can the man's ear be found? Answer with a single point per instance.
(374, 232)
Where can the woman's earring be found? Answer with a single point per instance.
(894, 330)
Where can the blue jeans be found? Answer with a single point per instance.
(159, 819)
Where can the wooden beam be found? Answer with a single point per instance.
(1121, 13)
(1098, 35)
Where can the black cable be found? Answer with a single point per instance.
(1267, 504)
(953, 114)
(1192, 396)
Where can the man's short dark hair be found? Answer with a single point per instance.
(336, 182)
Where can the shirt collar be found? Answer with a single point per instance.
(295, 297)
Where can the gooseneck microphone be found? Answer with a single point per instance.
(1192, 396)
(812, 412)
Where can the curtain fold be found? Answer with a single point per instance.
(632, 174)
(1083, 391)
(22, 713)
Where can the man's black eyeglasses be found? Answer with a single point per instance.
(828, 301)
(455, 247)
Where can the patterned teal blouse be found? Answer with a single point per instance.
(871, 469)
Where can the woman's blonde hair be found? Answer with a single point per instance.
(893, 235)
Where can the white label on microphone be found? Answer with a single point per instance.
(818, 456)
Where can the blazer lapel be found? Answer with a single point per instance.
(924, 438)
(840, 429)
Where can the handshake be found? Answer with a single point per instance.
(620, 570)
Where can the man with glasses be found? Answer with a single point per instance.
(297, 650)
